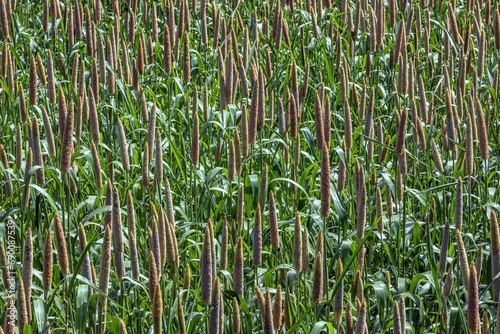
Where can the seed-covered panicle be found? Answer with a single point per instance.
(305, 251)
(153, 275)
(263, 189)
(462, 257)
(361, 206)
(238, 277)
(82, 244)
(22, 313)
(396, 325)
(67, 140)
(318, 120)
(27, 271)
(401, 132)
(5, 268)
(348, 126)
(495, 252)
(482, 130)
(105, 268)
(157, 310)
(62, 252)
(123, 146)
(206, 269)
(32, 82)
(268, 314)
(297, 244)
(473, 320)
(317, 289)
(47, 260)
(169, 206)
(325, 182)
(339, 296)
(214, 323)
(273, 222)
(186, 70)
(437, 157)
(277, 310)
(224, 244)
(257, 238)
(443, 257)
(360, 324)
(236, 316)
(152, 130)
(37, 152)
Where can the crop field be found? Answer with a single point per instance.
(294, 166)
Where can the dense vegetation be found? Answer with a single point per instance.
(249, 166)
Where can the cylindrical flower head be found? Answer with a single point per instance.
(479, 263)
(318, 121)
(473, 320)
(157, 309)
(325, 182)
(482, 131)
(231, 168)
(5, 268)
(82, 243)
(401, 132)
(186, 69)
(462, 257)
(214, 317)
(153, 274)
(254, 106)
(32, 82)
(347, 126)
(437, 157)
(444, 249)
(293, 114)
(297, 244)
(169, 206)
(317, 289)
(21, 307)
(339, 297)
(263, 190)
(236, 317)
(238, 277)
(360, 324)
(495, 252)
(305, 251)
(206, 270)
(123, 146)
(27, 271)
(448, 283)
(244, 131)
(117, 222)
(257, 238)
(277, 309)
(273, 222)
(37, 152)
(361, 213)
(396, 324)
(469, 149)
(268, 314)
(4, 22)
(450, 125)
(105, 267)
(224, 243)
(67, 140)
(62, 252)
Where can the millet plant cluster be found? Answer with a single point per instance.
(249, 166)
